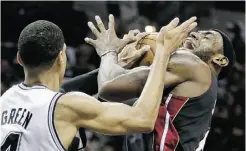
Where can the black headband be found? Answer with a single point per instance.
(229, 53)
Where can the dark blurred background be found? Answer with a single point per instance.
(228, 129)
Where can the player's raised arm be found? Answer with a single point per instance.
(109, 67)
(115, 118)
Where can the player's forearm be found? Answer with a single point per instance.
(86, 83)
(125, 86)
(109, 69)
(151, 95)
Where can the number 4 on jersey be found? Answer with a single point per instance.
(11, 142)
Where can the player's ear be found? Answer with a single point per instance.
(18, 58)
(60, 57)
(220, 60)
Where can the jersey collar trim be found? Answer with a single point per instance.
(26, 87)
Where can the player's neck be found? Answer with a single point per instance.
(215, 70)
(47, 78)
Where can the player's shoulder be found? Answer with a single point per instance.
(76, 103)
(182, 52)
(184, 57)
(10, 92)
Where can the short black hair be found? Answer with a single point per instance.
(40, 43)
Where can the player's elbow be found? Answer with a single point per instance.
(149, 126)
(146, 123)
(146, 126)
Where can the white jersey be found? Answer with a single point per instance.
(27, 119)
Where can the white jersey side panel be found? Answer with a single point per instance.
(27, 119)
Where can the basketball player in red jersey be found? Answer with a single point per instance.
(190, 91)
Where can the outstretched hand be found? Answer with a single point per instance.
(107, 40)
(173, 35)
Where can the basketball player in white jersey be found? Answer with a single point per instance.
(36, 117)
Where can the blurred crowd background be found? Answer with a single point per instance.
(228, 129)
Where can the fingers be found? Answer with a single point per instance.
(125, 36)
(128, 40)
(133, 32)
(100, 24)
(141, 35)
(137, 55)
(111, 23)
(160, 36)
(90, 41)
(129, 59)
(187, 23)
(143, 50)
(130, 37)
(191, 27)
(172, 24)
(188, 26)
(93, 29)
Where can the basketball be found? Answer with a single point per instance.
(150, 40)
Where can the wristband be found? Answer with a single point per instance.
(108, 52)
